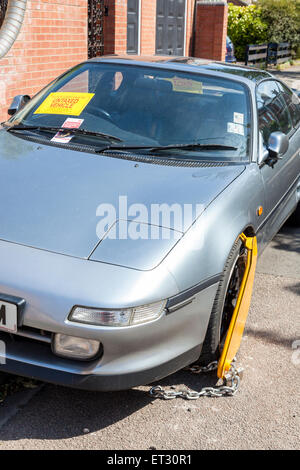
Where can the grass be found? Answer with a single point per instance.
(287, 65)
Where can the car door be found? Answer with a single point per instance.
(279, 110)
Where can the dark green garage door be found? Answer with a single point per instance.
(170, 22)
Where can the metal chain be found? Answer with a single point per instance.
(229, 388)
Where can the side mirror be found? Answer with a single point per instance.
(278, 145)
(18, 102)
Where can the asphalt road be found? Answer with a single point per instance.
(263, 415)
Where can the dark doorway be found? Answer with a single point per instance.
(95, 28)
(133, 26)
(3, 6)
(170, 24)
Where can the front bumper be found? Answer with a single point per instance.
(101, 383)
(131, 356)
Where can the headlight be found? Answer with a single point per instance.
(124, 317)
(75, 348)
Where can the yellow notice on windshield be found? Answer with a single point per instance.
(186, 85)
(69, 103)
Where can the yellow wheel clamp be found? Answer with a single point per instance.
(239, 317)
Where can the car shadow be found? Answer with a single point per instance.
(270, 337)
(289, 73)
(288, 239)
(295, 289)
(62, 413)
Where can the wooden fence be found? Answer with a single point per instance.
(268, 54)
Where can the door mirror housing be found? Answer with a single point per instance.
(17, 103)
(278, 145)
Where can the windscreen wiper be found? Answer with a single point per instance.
(195, 146)
(158, 148)
(108, 137)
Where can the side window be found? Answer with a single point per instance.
(273, 111)
(292, 102)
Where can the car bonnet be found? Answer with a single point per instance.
(50, 196)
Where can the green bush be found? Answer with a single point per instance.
(245, 26)
(283, 20)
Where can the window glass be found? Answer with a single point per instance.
(273, 111)
(79, 84)
(145, 106)
(292, 102)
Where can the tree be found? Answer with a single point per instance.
(245, 26)
(283, 20)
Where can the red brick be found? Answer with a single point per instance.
(211, 30)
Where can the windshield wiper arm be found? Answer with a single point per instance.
(188, 147)
(195, 146)
(110, 138)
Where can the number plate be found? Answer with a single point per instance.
(8, 317)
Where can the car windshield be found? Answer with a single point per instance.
(144, 106)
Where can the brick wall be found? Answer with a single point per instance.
(211, 30)
(53, 38)
(148, 27)
(115, 27)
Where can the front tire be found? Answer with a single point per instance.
(4, 378)
(224, 304)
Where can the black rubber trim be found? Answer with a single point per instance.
(107, 383)
(185, 295)
(158, 160)
(19, 302)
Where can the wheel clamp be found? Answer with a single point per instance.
(239, 317)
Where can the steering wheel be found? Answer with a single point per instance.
(100, 112)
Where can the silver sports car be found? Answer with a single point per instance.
(129, 190)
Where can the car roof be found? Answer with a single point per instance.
(184, 63)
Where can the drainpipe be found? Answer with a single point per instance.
(12, 24)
